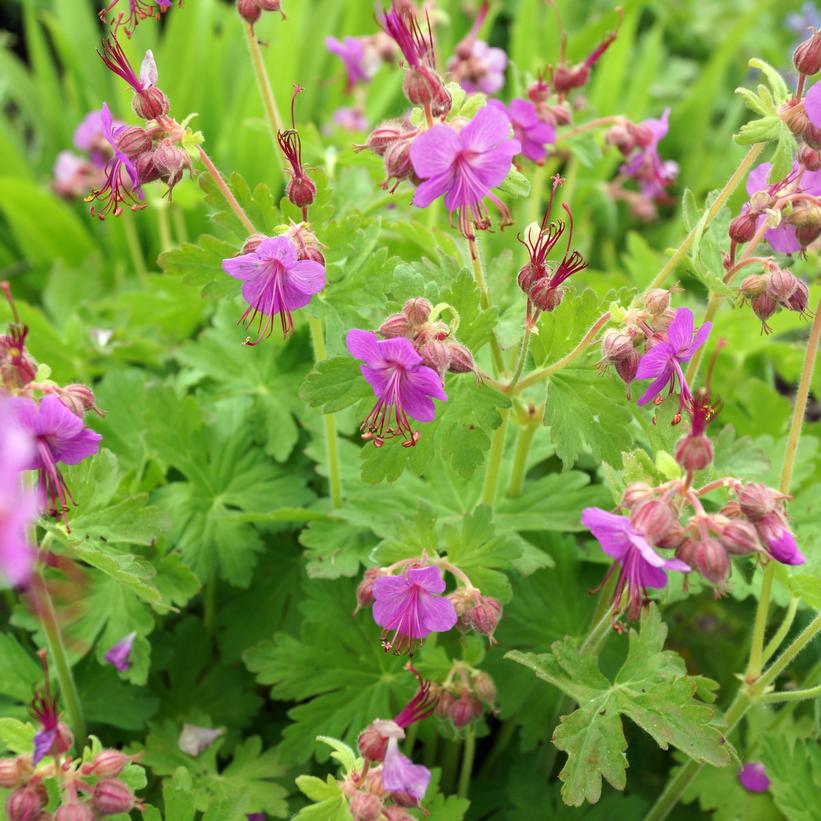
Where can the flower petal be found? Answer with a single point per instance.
(432, 189)
(656, 361)
(400, 774)
(302, 281)
(783, 239)
(363, 345)
(812, 105)
(680, 333)
(610, 530)
(656, 387)
(486, 131)
(438, 614)
(434, 152)
(757, 179)
(428, 578)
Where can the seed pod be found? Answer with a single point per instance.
(812, 136)
(170, 161)
(150, 103)
(796, 119)
(422, 86)
(807, 234)
(111, 796)
(807, 57)
(562, 79)
(528, 275)
(653, 518)
(694, 452)
(301, 191)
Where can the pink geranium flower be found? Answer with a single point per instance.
(663, 361)
(463, 166)
(404, 387)
(652, 173)
(411, 607)
(639, 565)
(274, 281)
(120, 654)
(401, 775)
(533, 133)
(59, 436)
(361, 62)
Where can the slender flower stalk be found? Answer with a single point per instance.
(226, 191)
(494, 461)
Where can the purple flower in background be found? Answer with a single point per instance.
(350, 118)
(59, 436)
(463, 166)
(404, 387)
(783, 238)
(753, 777)
(401, 775)
(808, 17)
(361, 63)
(479, 67)
(639, 565)
(663, 361)
(120, 654)
(18, 505)
(90, 136)
(274, 281)
(533, 133)
(646, 166)
(410, 606)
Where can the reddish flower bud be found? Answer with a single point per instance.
(484, 687)
(538, 92)
(146, 168)
(757, 500)
(465, 710)
(74, 812)
(442, 102)
(484, 617)
(812, 136)
(372, 743)
(365, 806)
(395, 325)
(461, 359)
(107, 764)
(807, 234)
(249, 10)
(781, 285)
(753, 285)
(307, 244)
(626, 368)
(744, 226)
(739, 537)
(800, 297)
(764, 306)
(423, 86)
(111, 796)
(635, 494)
(621, 137)
(14, 772)
(809, 158)
(63, 740)
(150, 103)
(24, 804)
(654, 518)
(79, 399)
(732, 510)
(383, 136)
(562, 79)
(133, 141)
(807, 57)
(271, 5)
(528, 276)
(364, 592)
(545, 296)
(252, 243)
(694, 452)
(673, 538)
(435, 354)
(616, 345)
(796, 119)
(641, 133)
(397, 161)
(301, 191)
(170, 160)
(711, 560)
(663, 321)
(417, 310)
(657, 301)
(444, 704)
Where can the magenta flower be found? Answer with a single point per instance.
(640, 566)
(401, 26)
(753, 777)
(122, 182)
(464, 166)
(120, 654)
(401, 775)
(783, 238)
(117, 61)
(274, 281)
(350, 118)
(652, 173)
(404, 387)
(89, 136)
(663, 361)
(18, 504)
(774, 532)
(359, 62)
(410, 606)
(532, 133)
(480, 69)
(812, 105)
(59, 436)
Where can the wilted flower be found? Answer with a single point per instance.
(410, 606)
(301, 189)
(59, 436)
(274, 281)
(404, 387)
(663, 361)
(463, 166)
(533, 133)
(120, 654)
(639, 565)
(764, 507)
(149, 102)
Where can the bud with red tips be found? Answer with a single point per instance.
(795, 117)
(622, 138)
(799, 298)
(147, 170)
(79, 399)
(808, 233)
(364, 591)
(435, 354)
(373, 740)
(133, 141)
(397, 163)
(306, 242)
(810, 158)
(170, 160)
(781, 285)
(461, 359)
(395, 325)
(111, 796)
(384, 135)
(545, 296)
(484, 687)
(743, 227)
(249, 10)
(301, 191)
(711, 560)
(626, 368)
(764, 306)
(74, 812)
(807, 57)
(739, 537)
(107, 764)
(812, 136)
(365, 806)
(635, 494)
(694, 453)
(757, 500)
(753, 285)
(396, 814)
(657, 301)
(528, 275)
(654, 518)
(417, 310)
(485, 615)
(465, 710)
(272, 5)
(150, 103)
(423, 86)
(616, 345)
(25, 803)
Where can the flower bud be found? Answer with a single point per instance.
(774, 532)
(753, 285)
(365, 807)
(465, 710)
(800, 297)
(111, 796)
(764, 306)
(626, 368)
(461, 359)
(14, 772)
(744, 226)
(812, 136)
(711, 560)
(442, 102)
(810, 158)
(657, 301)
(756, 500)
(74, 812)
(807, 57)
(364, 591)
(635, 494)
(249, 10)
(422, 86)
(301, 191)
(150, 103)
(435, 354)
(795, 117)
(620, 137)
(673, 538)
(444, 704)
(641, 133)
(397, 161)
(694, 452)
(383, 136)
(654, 518)
(528, 275)
(133, 141)
(739, 537)
(781, 285)
(732, 510)
(372, 743)
(170, 161)
(562, 79)
(807, 234)
(545, 296)
(539, 91)
(252, 243)
(107, 764)
(146, 168)
(79, 399)
(396, 814)
(24, 803)
(307, 244)
(484, 617)
(271, 5)
(484, 687)
(395, 325)
(558, 114)
(616, 345)
(417, 310)
(63, 740)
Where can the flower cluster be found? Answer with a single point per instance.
(464, 694)
(475, 65)
(774, 288)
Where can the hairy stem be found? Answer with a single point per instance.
(135, 248)
(778, 637)
(468, 752)
(484, 300)
(523, 440)
(791, 695)
(723, 195)
(226, 191)
(331, 444)
(520, 362)
(494, 460)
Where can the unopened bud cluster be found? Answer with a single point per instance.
(772, 289)
(392, 141)
(251, 10)
(465, 695)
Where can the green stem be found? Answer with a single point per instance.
(723, 195)
(791, 695)
(780, 634)
(520, 362)
(163, 226)
(544, 373)
(449, 763)
(135, 249)
(57, 650)
(468, 752)
(410, 739)
(784, 660)
(329, 420)
(484, 300)
(226, 192)
(494, 461)
(517, 475)
(178, 218)
(760, 625)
